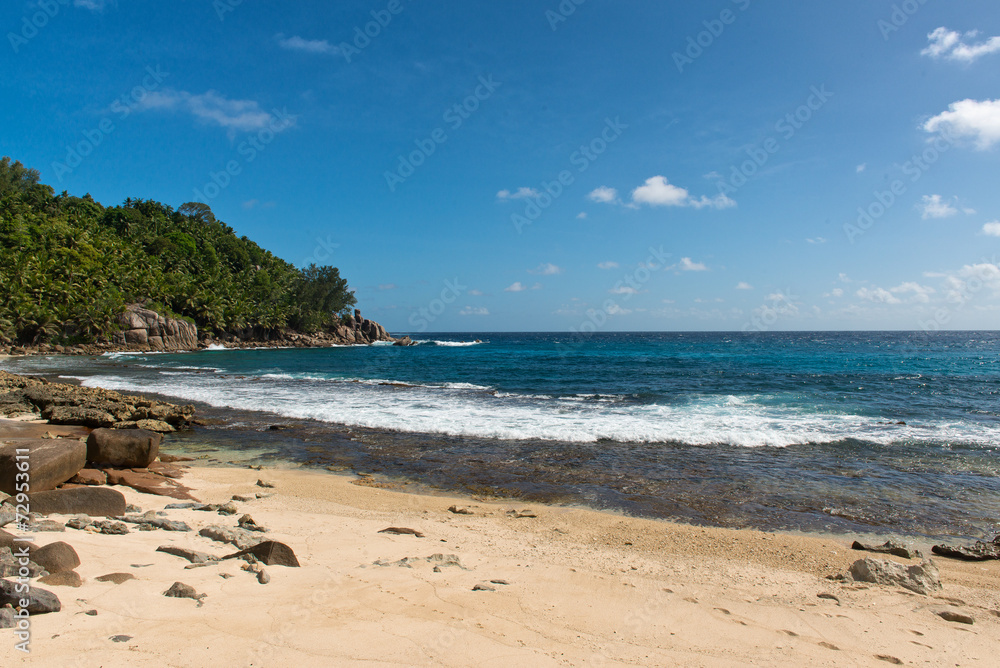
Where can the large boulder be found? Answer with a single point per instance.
(56, 557)
(144, 328)
(271, 553)
(51, 462)
(92, 501)
(40, 601)
(130, 448)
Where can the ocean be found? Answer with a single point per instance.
(873, 432)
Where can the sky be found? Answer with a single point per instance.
(583, 165)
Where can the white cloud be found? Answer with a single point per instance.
(933, 206)
(623, 290)
(836, 292)
(658, 191)
(476, 293)
(210, 107)
(582, 215)
(251, 204)
(992, 229)
(520, 193)
(296, 43)
(546, 269)
(921, 293)
(951, 44)
(603, 194)
(970, 118)
(474, 310)
(387, 286)
(687, 265)
(862, 167)
(817, 240)
(743, 285)
(94, 5)
(614, 265)
(878, 296)
(842, 277)
(615, 309)
(521, 287)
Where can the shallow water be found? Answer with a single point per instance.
(875, 432)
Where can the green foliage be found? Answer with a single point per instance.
(69, 266)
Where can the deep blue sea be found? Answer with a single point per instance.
(889, 432)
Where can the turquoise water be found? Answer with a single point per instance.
(845, 431)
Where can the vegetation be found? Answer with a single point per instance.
(69, 266)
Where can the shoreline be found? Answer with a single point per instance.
(582, 587)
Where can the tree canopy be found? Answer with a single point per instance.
(69, 266)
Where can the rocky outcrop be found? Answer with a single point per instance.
(143, 329)
(979, 552)
(922, 578)
(92, 407)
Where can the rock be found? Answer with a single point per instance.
(248, 523)
(181, 506)
(10, 566)
(116, 578)
(145, 328)
(518, 514)
(87, 417)
(244, 498)
(405, 341)
(56, 557)
(80, 522)
(148, 482)
(979, 552)
(159, 426)
(7, 618)
(228, 509)
(7, 515)
(36, 526)
(889, 547)
(110, 528)
(89, 477)
(173, 459)
(483, 587)
(64, 579)
(120, 638)
(922, 578)
(266, 484)
(951, 616)
(130, 448)
(181, 590)
(270, 553)
(52, 462)
(263, 577)
(402, 531)
(132, 508)
(157, 522)
(193, 556)
(455, 510)
(40, 601)
(240, 538)
(440, 562)
(93, 501)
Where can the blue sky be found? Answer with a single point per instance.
(486, 166)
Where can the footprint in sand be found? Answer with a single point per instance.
(829, 646)
(791, 633)
(724, 611)
(690, 600)
(889, 659)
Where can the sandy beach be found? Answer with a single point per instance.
(557, 587)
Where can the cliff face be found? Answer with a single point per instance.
(147, 329)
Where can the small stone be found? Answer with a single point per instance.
(132, 508)
(518, 514)
(402, 531)
(889, 547)
(117, 578)
(244, 498)
(271, 553)
(110, 528)
(266, 484)
(91, 613)
(7, 620)
(264, 495)
(181, 506)
(62, 579)
(120, 638)
(80, 522)
(263, 577)
(193, 556)
(225, 576)
(482, 587)
(951, 616)
(181, 590)
(459, 511)
(228, 509)
(889, 659)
